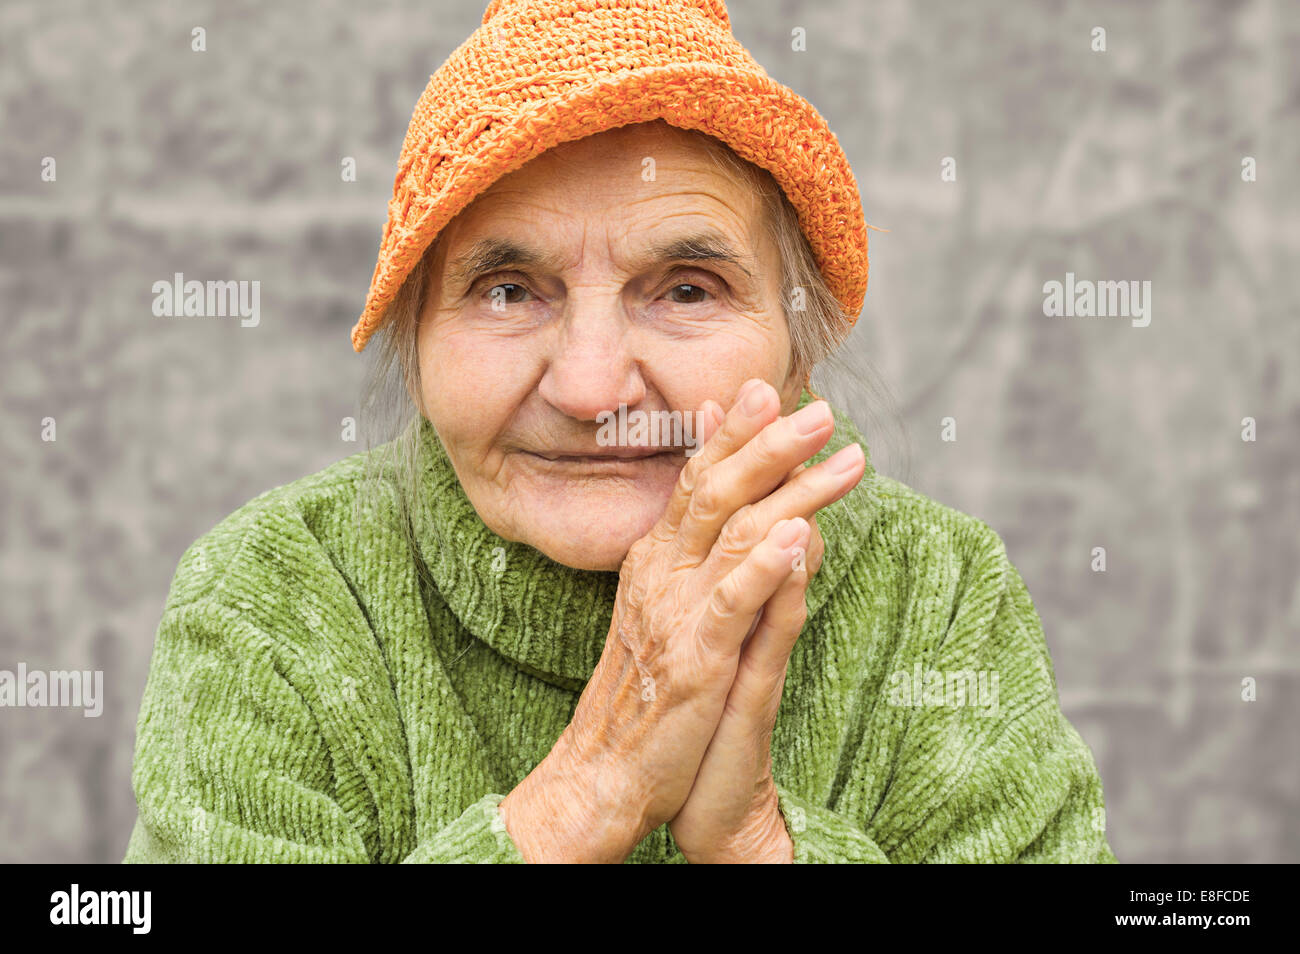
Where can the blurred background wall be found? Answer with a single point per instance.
(1071, 433)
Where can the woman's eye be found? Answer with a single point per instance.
(688, 290)
(506, 293)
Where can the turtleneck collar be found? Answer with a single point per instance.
(549, 619)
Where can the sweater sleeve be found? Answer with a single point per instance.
(232, 764)
(479, 836)
(999, 777)
(821, 836)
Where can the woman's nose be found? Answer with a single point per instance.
(591, 368)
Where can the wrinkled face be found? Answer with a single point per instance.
(571, 308)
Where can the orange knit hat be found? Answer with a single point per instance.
(537, 73)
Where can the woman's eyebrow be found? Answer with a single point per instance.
(489, 255)
(701, 247)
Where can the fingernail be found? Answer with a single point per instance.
(755, 399)
(845, 459)
(811, 418)
(788, 531)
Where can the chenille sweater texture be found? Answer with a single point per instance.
(313, 696)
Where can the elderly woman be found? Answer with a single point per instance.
(624, 590)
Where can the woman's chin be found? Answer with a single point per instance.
(592, 530)
(607, 558)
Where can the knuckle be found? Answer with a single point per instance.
(689, 475)
(726, 599)
(639, 551)
(631, 595)
(635, 582)
(706, 498)
(659, 536)
(763, 452)
(630, 569)
(738, 534)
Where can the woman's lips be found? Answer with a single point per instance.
(625, 453)
(615, 460)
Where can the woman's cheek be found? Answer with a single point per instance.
(714, 367)
(468, 369)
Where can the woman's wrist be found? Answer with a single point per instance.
(564, 811)
(765, 839)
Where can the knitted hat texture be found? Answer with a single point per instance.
(537, 73)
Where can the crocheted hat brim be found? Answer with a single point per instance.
(761, 120)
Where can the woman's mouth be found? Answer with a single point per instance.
(610, 460)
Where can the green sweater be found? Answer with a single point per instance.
(314, 697)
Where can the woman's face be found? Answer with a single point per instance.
(624, 269)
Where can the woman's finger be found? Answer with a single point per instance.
(816, 545)
(816, 487)
(760, 674)
(816, 548)
(745, 419)
(743, 592)
(749, 475)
